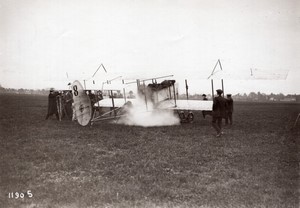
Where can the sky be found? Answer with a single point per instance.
(49, 43)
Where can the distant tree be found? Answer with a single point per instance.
(252, 96)
(2, 89)
(280, 96)
(21, 91)
(264, 97)
(261, 96)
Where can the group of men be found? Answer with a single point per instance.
(222, 109)
(53, 104)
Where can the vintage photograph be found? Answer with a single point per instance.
(149, 103)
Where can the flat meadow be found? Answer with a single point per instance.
(62, 164)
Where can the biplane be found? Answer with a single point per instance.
(160, 96)
(89, 107)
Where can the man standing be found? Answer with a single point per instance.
(219, 112)
(229, 109)
(68, 100)
(52, 106)
(204, 97)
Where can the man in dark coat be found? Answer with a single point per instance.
(52, 106)
(229, 109)
(219, 112)
(67, 100)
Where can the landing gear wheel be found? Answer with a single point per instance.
(190, 117)
(181, 116)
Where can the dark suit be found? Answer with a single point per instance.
(219, 112)
(67, 100)
(52, 106)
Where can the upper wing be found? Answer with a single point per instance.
(186, 105)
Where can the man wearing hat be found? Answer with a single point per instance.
(219, 112)
(204, 97)
(229, 109)
(52, 107)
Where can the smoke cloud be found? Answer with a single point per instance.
(140, 114)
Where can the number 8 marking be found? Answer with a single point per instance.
(75, 90)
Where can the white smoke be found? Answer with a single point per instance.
(142, 114)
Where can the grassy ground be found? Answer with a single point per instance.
(256, 164)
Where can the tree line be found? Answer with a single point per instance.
(252, 96)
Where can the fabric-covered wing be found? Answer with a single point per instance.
(187, 105)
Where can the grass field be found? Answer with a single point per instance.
(255, 164)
